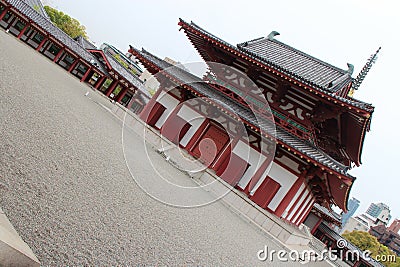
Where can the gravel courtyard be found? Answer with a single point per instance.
(65, 186)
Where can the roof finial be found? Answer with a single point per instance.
(363, 73)
(350, 69)
(272, 35)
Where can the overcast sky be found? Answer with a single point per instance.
(334, 31)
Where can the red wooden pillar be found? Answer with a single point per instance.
(100, 82)
(86, 74)
(42, 43)
(302, 204)
(197, 135)
(11, 23)
(290, 195)
(73, 65)
(227, 152)
(4, 13)
(258, 175)
(58, 55)
(316, 226)
(173, 124)
(121, 94)
(34, 31)
(147, 109)
(23, 30)
(306, 212)
(112, 87)
(296, 201)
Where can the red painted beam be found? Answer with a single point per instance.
(4, 12)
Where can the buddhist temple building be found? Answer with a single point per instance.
(319, 127)
(27, 20)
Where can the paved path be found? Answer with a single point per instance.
(66, 189)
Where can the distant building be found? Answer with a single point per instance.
(381, 212)
(352, 207)
(151, 82)
(122, 59)
(356, 224)
(388, 236)
(395, 226)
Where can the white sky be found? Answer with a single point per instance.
(334, 31)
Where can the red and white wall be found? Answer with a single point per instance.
(281, 188)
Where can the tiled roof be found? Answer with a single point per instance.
(38, 6)
(325, 228)
(85, 43)
(116, 50)
(53, 30)
(130, 77)
(340, 81)
(297, 63)
(331, 214)
(246, 114)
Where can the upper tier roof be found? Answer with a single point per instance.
(297, 63)
(194, 31)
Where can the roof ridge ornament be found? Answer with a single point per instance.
(350, 69)
(272, 35)
(364, 71)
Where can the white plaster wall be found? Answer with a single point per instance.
(303, 213)
(303, 196)
(192, 117)
(301, 209)
(296, 196)
(285, 178)
(169, 102)
(253, 157)
(289, 163)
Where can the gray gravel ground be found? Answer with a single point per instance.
(65, 186)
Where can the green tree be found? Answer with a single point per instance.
(366, 241)
(69, 25)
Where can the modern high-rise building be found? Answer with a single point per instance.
(352, 207)
(380, 211)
